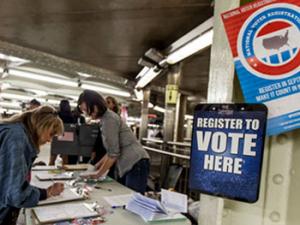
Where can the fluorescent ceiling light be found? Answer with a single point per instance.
(28, 98)
(106, 90)
(10, 104)
(19, 97)
(147, 77)
(191, 47)
(57, 102)
(159, 109)
(37, 92)
(84, 74)
(34, 76)
(5, 86)
(10, 111)
(142, 72)
(73, 96)
(13, 58)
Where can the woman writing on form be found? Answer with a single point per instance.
(20, 139)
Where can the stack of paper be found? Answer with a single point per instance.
(174, 201)
(150, 210)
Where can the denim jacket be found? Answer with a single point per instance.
(16, 157)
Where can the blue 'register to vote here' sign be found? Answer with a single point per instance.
(227, 150)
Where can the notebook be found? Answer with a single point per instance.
(67, 195)
(61, 212)
(151, 210)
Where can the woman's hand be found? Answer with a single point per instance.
(55, 189)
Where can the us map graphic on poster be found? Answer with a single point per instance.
(264, 37)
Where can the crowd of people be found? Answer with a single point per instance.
(116, 149)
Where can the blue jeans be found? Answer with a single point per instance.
(136, 178)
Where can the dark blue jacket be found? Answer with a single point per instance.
(16, 157)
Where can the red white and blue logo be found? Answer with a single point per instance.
(269, 42)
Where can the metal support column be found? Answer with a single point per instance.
(278, 180)
(189, 129)
(180, 117)
(220, 89)
(145, 111)
(169, 117)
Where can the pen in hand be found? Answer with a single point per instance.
(102, 188)
(118, 206)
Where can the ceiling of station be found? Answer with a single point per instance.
(108, 35)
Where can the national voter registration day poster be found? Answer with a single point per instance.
(265, 38)
(227, 150)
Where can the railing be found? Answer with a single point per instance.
(167, 153)
(174, 153)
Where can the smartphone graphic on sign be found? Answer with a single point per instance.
(227, 150)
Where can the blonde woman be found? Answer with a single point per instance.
(20, 139)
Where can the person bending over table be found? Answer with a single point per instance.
(122, 147)
(20, 139)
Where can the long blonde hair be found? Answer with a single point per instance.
(37, 121)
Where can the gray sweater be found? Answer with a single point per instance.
(120, 142)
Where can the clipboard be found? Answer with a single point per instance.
(51, 176)
(43, 168)
(66, 196)
(62, 212)
(76, 167)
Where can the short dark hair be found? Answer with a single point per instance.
(64, 106)
(91, 99)
(34, 102)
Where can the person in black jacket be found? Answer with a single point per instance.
(65, 112)
(67, 117)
